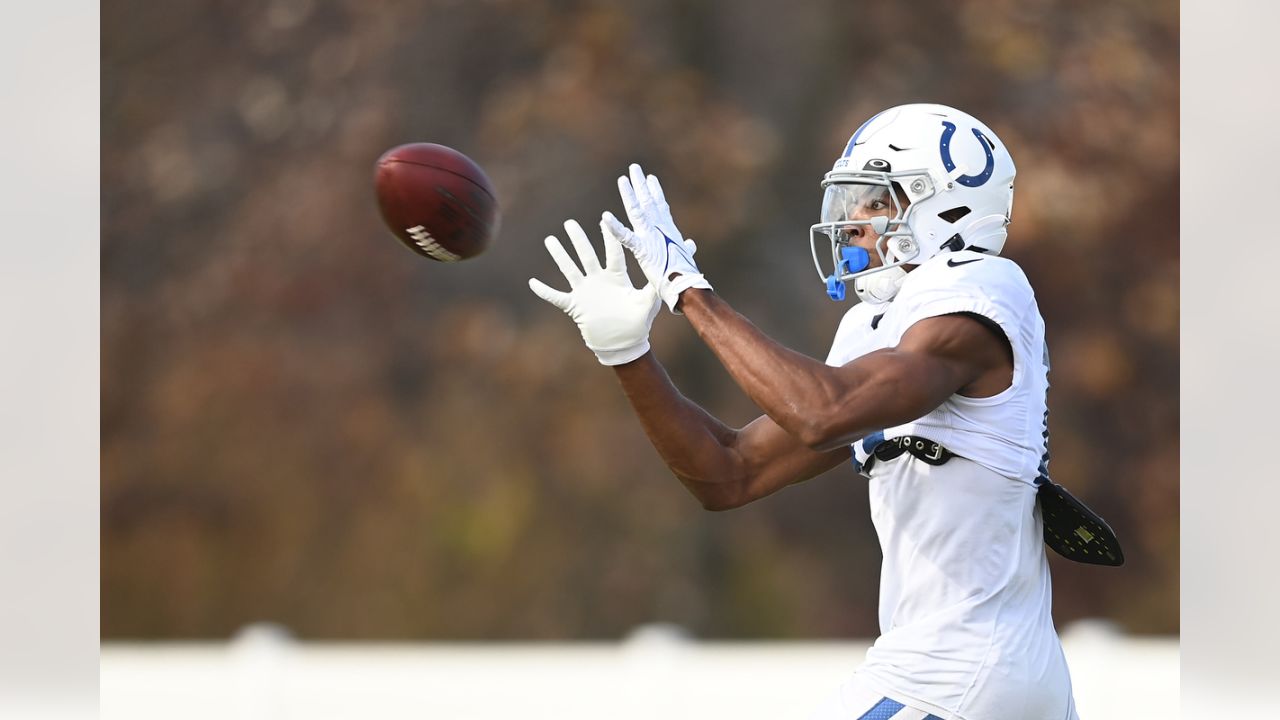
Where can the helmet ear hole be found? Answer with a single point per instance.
(954, 214)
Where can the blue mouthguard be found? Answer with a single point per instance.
(852, 260)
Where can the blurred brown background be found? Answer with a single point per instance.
(304, 422)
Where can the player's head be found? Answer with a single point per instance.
(913, 181)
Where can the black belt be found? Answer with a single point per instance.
(1073, 530)
(922, 449)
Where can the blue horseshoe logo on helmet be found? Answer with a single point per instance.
(944, 146)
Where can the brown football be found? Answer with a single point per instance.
(436, 200)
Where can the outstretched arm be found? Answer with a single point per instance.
(828, 407)
(822, 407)
(722, 467)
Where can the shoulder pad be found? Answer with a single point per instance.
(969, 273)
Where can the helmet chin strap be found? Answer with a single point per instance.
(879, 287)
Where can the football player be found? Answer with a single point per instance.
(936, 381)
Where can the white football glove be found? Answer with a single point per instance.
(664, 257)
(612, 315)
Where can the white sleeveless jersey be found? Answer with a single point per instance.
(1006, 432)
(965, 595)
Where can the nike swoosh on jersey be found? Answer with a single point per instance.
(953, 263)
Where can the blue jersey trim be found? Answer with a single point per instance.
(853, 457)
(882, 710)
(870, 442)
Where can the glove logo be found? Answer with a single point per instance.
(679, 248)
(944, 147)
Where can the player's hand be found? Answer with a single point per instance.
(664, 257)
(612, 315)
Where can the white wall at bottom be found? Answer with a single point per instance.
(654, 674)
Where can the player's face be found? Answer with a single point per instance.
(861, 202)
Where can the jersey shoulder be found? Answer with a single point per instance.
(968, 273)
(965, 281)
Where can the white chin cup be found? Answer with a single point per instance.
(879, 287)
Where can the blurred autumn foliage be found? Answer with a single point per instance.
(304, 422)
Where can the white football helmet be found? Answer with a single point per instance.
(925, 178)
